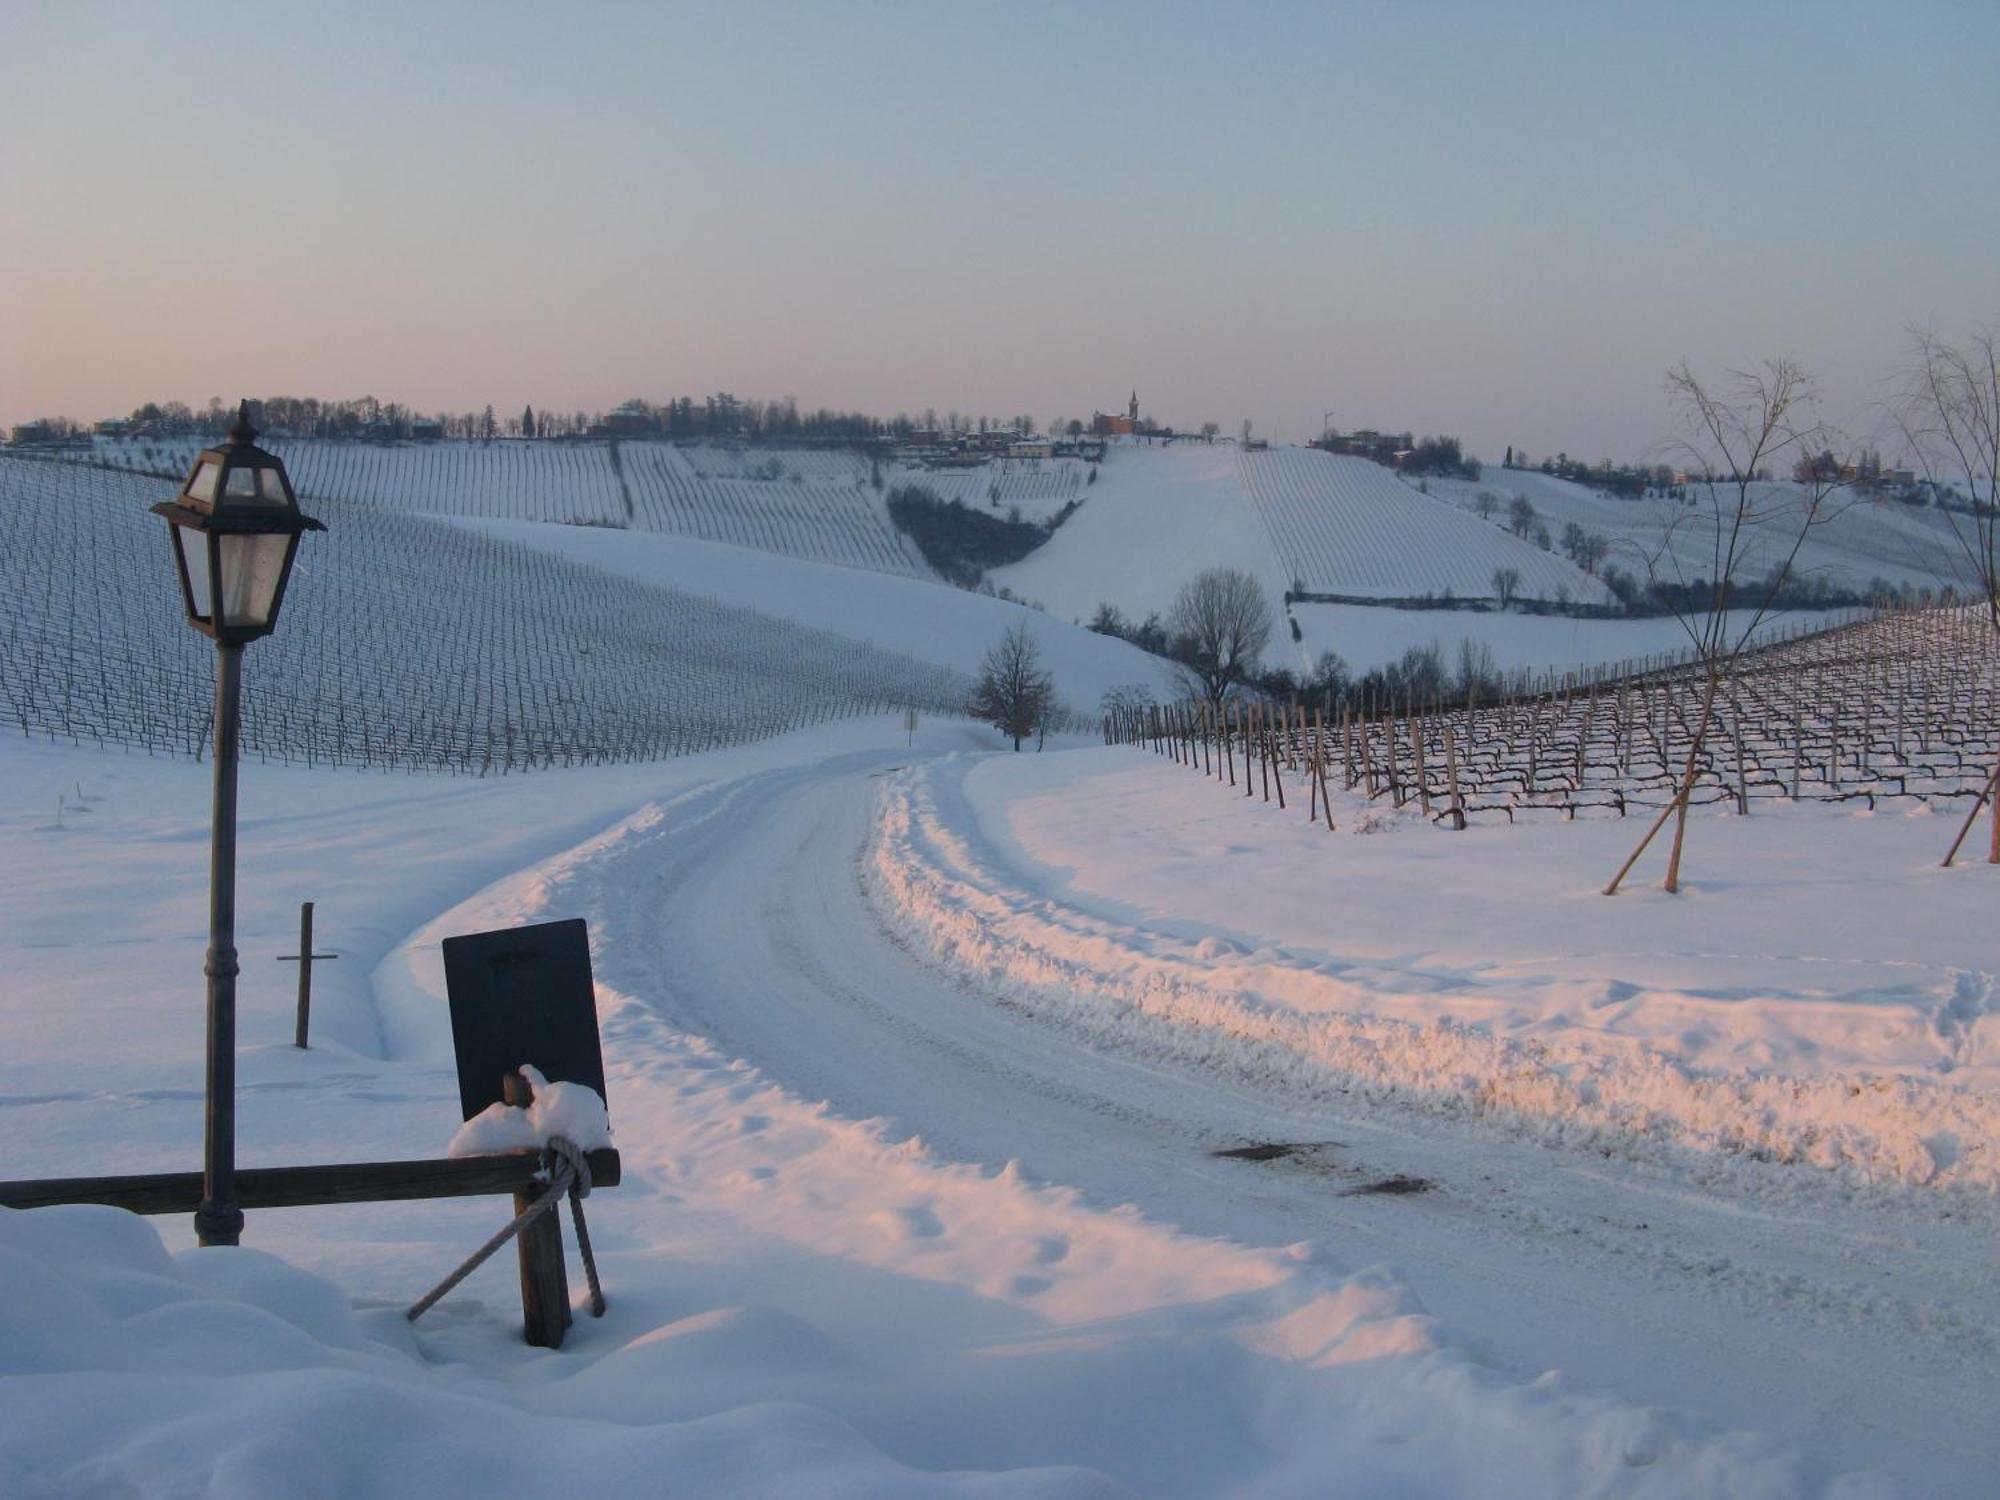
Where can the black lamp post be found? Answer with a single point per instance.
(235, 528)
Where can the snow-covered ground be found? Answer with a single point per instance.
(1158, 515)
(902, 1216)
(1858, 541)
(947, 627)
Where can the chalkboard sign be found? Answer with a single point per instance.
(522, 995)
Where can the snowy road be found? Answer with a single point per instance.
(1840, 1321)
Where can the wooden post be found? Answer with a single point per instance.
(1262, 732)
(1249, 734)
(1799, 743)
(1992, 790)
(1312, 789)
(1277, 756)
(1451, 771)
(1736, 723)
(545, 1310)
(1325, 794)
(305, 959)
(1417, 762)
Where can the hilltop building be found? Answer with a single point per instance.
(1105, 424)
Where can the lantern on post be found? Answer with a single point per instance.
(235, 528)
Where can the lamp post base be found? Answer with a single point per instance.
(218, 1224)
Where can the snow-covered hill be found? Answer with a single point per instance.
(406, 641)
(797, 503)
(948, 627)
(411, 641)
(1295, 518)
(1860, 541)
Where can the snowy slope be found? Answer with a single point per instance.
(798, 503)
(1860, 541)
(1155, 518)
(1347, 526)
(406, 641)
(949, 627)
(1159, 515)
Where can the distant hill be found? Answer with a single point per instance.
(1862, 540)
(1295, 518)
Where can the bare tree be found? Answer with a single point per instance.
(1949, 417)
(1014, 693)
(1520, 515)
(1486, 503)
(1505, 581)
(1221, 623)
(1736, 433)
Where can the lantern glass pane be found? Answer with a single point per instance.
(252, 568)
(202, 486)
(194, 552)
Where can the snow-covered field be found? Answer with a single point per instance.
(798, 503)
(947, 627)
(906, 1213)
(414, 643)
(1858, 542)
(1289, 517)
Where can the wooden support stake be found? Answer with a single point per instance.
(1972, 817)
(1325, 794)
(1277, 758)
(1451, 771)
(1249, 734)
(1259, 729)
(545, 1311)
(304, 958)
(1417, 763)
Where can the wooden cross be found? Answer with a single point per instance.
(304, 958)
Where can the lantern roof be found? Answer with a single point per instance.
(238, 487)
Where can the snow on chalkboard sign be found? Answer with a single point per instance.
(522, 995)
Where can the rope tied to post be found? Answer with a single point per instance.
(567, 1171)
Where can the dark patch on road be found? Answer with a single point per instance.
(1272, 1150)
(1393, 1186)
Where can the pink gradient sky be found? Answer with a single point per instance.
(1503, 221)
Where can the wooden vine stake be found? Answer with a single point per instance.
(1417, 763)
(1319, 765)
(1277, 766)
(1992, 783)
(1451, 772)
